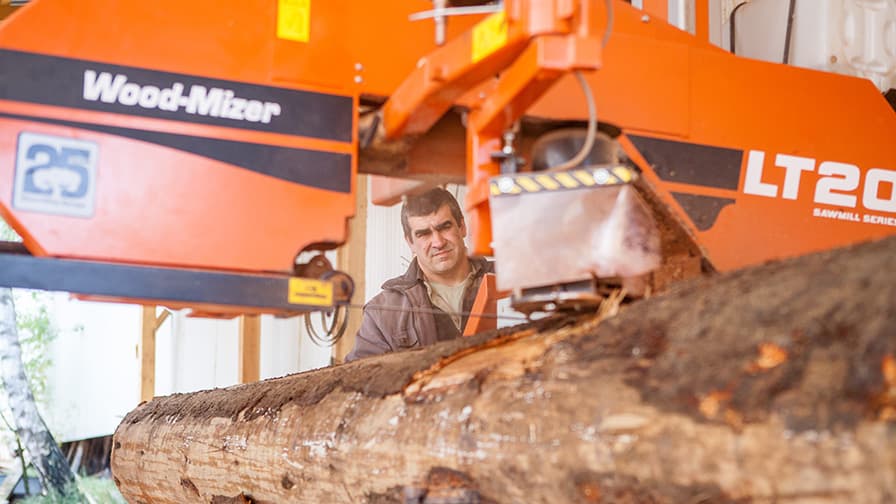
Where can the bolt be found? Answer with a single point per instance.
(359, 67)
(358, 79)
(505, 184)
(645, 18)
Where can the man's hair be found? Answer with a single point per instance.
(429, 203)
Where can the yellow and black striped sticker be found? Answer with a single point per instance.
(559, 181)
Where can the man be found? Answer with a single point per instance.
(430, 301)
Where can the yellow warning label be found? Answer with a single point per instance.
(584, 177)
(623, 174)
(548, 182)
(575, 179)
(567, 180)
(528, 184)
(489, 35)
(294, 19)
(306, 291)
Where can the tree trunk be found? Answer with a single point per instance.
(775, 384)
(40, 447)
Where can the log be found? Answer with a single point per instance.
(773, 384)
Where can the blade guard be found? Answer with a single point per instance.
(563, 227)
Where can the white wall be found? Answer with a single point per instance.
(95, 377)
(197, 353)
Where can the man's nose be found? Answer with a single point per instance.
(438, 241)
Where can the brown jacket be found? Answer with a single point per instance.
(408, 318)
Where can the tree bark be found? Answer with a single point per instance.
(40, 447)
(774, 384)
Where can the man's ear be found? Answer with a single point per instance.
(463, 228)
(408, 240)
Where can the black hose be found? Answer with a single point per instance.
(787, 36)
(732, 30)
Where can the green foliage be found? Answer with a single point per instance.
(96, 489)
(7, 233)
(36, 332)
(36, 329)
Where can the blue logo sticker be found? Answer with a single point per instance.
(55, 175)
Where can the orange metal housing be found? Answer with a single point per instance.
(824, 165)
(158, 204)
(756, 160)
(808, 144)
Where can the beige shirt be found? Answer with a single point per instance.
(449, 298)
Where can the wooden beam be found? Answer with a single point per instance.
(250, 348)
(147, 353)
(161, 318)
(351, 259)
(147, 350)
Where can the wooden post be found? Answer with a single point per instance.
(351, 259)
(147, 351)
(250, 348)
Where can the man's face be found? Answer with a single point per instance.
(438, 242)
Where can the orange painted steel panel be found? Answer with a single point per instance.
(795, 112)
(446, 74)
(161, 205)
(643, 83)
(657, 8)
(701, 19)
(387, 45)
(483, 314)
(229, 40)
(619, 88)
(182, 189)
(661, 82)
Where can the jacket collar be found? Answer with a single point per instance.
(414, 275)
